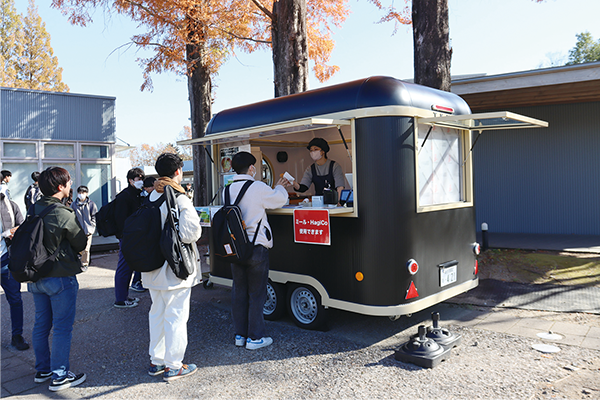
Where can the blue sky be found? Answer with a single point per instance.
(488, 36)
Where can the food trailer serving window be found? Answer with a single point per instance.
(290, 138)
(443, 163)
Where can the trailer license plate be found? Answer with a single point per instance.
(447, 275)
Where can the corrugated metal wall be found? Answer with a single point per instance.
(542, 180)
(31, 114)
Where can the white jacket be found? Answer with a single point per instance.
(258, 198)
(190, 231)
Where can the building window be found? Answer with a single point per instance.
(19, 150)
(94, 151)
(21, 179)
(439, 163)
(59, 151)
(97, 178)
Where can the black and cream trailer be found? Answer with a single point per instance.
(404, 239)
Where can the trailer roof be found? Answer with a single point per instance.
(376, 91)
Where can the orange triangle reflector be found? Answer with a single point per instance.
(412, 291)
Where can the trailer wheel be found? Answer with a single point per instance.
(275, 304)
(304, 305)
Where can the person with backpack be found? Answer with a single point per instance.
(85, 210)
(249, 290)
(33, 192)
(147, 188)
(126, 203)
(10, 219)
(170, 295)
(55, 294)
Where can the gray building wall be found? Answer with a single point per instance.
(542, 180)
(33, 114)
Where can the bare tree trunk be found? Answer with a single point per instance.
(199, 90)
(290, 47)
(432, 53)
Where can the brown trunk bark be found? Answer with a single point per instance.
(432, 53)
(199, 91)
(290, 47)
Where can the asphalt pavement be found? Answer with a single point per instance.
(110, 345)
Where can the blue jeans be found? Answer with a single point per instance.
(249, 294)
(12, 288)
(122, 278)
(54, 300)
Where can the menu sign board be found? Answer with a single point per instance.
(312, 226)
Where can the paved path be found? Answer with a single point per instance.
(110, 344)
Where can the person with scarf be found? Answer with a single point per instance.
(10, 219)
(170, 295)
(85, 210)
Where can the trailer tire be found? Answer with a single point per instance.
(274, 307)
(305, 308)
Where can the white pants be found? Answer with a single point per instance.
(85, 254)
(168, 318)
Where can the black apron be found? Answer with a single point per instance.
(323, 181)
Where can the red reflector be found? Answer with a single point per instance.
(412, 291)
(476, 267)
(436, 107)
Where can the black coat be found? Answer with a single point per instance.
(126, 203)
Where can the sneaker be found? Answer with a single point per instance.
(66, 382)
(133, 299)
(41, 377)
(257, 344)
(125, 304)
(19, 343)
(240, 340)
(156, 369)
(185, 370)
(137, 287)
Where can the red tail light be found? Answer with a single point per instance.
(412, 266)
(476, 271)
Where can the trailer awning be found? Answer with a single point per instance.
(485, 121)
(259, 132)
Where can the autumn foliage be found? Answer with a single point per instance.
(224, 26)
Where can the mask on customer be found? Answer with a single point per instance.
(138, 184)
(144, 193)
(253, 174)
(81, 196)
(316, 155)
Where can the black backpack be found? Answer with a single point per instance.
(105, 220)
(141, 236)
(29, 259)
(231, 239)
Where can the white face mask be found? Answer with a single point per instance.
(144, 193)
(253, 174)
(138, 184)
(316, 155)
(81, 196)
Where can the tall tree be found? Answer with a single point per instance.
(193, 37)
(11, 43)
(431, 41)
(300, 31)
(37, 67)
(586, 49)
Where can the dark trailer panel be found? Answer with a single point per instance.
(408, 241)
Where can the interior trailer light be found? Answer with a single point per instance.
(413, 266)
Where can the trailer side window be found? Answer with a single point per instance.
(439, 166)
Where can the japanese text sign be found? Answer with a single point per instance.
(312, 226)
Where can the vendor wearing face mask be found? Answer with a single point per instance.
(323, 173)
